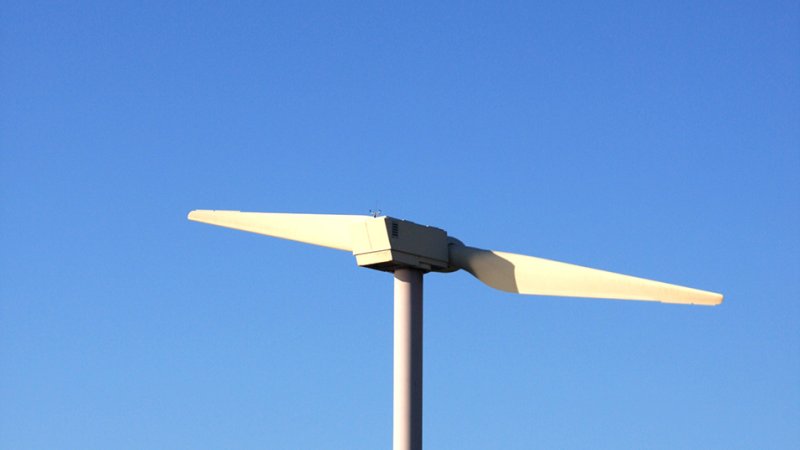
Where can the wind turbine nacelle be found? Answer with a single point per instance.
(386, 243)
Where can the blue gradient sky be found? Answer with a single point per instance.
(659, 139)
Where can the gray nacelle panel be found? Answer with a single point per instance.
(386, 243)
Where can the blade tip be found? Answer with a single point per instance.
(195, 214)
(703, 298)
(201, 215)
(711, 299)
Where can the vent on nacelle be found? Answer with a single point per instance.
(395, 231)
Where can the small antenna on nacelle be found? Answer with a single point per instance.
(375, 212)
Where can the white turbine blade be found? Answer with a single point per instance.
(537, 276)
(327, 230)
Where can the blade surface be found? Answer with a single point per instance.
(537, 276)
(326, 230)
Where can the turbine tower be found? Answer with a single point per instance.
(409, 251)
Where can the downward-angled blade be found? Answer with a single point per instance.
(530, 275)
(327, 230)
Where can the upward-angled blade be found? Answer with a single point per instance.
(530, 275)
(327, 230)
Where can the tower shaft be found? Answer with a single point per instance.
(407, 429)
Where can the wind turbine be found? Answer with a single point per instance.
(410, 250)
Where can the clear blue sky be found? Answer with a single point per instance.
(660, 139)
